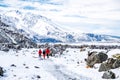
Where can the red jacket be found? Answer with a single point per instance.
(40, 51)
(47, 51)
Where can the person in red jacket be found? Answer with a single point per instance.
(40, 52)
(47, 51)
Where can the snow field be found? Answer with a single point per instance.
(26, 65)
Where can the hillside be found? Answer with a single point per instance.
(10, 37)
(41, 29)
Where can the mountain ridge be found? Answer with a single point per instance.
(41, 29)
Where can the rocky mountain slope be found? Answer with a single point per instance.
(41, 29)
(10, 37)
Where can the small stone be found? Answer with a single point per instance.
(77, 62)
(38, 76)
(36, 67)
(27, 67)
(24, 64)
(14, 75)
(13, 65)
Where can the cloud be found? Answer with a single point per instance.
(98, 16)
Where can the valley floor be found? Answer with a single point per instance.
(26, 65)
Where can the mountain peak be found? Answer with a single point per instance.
(42, 29)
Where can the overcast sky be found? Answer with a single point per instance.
(86, 16)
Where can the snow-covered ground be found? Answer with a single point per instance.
(26, 65)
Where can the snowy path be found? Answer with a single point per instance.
(61, 73)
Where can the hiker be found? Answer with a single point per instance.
(47, 51)
(40, 52)
(44, 54)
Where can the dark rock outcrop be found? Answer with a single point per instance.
(1, 71)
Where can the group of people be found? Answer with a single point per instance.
(44, 53)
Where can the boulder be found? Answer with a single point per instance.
(116, 64)
(1, 71)
(5, 49)
(117, 56)
(102, 56)
(104, 67)
(109, 64)
(109, 75)
(94, 58)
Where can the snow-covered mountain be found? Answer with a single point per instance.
(41, 29)
(10, 37)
